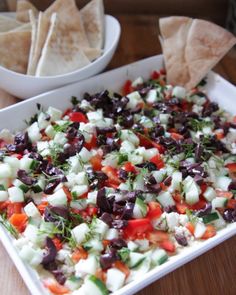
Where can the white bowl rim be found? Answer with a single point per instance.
(108, 17)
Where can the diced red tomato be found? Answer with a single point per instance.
(225, 194)
(78, 117)
(101, 275)
(163, 186)
(157, 236)
(219, 135)
(91, 210)
(199, 205)
(176, 136)
(112, 174)
(155, 75)
(55, 287)
(231, 167)
(177, 197)
(4, 205)
(68, 193)
(106, 243)
(148, 143)
(96, 162)
(122, 267)
(127, 88)
(210, 232)
(163, 72)
(203, 187)
(168, 246)
(190, 226)
(231, 204)
(157, 160)
(181, 207)
(19, 221)
(137, 227)
(14, 208)
(129, 167)
(78, 254)
(18, 156)
(154, 210)
(67, 112)
(41, 207)
(57, 243)
(92, 144)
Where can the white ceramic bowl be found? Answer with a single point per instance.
(25, 86)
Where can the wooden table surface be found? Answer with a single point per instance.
(214, 273)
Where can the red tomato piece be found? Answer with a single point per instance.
(137, 227)
(225, 194)
(168, 246)
(129, 167)
(57, 243)
(190, 226)
(14, 208)
(210, 232)
(181, 207)
(55, 287)
(92, 144)
(231, 167)
(157, 160)
(154, 210)
(127, 88)
(78, 117)
(112, 174)
(199, 205)
(19, 221)
(96, 162)
(231, 204)
(155, 75)
(176, 136)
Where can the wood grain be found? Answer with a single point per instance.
(214, 273)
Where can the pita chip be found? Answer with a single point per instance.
(8, 23)
(207, 43)
(69, 15)
(93, 19)
(174, 31)
(61, 53)
(192, 48)
(33, 23)
(12, 43)
(22, 10)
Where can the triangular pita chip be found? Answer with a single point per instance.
(207, 43)
(22, 10)
(8, 23)
(14, 50)
(69, 15)
(33, 22)
(91, 53)
(174, 32)
(192, 48)
(93, 20)
(61, 53)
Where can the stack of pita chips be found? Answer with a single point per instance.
(59, 40)
(191, 48)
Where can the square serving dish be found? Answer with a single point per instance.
(12, 118)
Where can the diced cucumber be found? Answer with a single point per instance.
(200, 229)
(75, 164)
(222, 182)
(132, 246)
(86, 266)
(220, 222)
(179, 92)
(50, 131)
(60, 138)
(164, 118)
(176, 180)
(165, 199)
(143, 245)
(73, 283)
(172, 220)
(99, 227)
(152, 96)
(39, 185)
(30, 255)
(21, 185)
(209, 194)
(31, 210)
(79, 232)
(149, 153)
(135, 159)
(34, 132)
(191, 190)
(34, 164)
(93, 245)
(137, 82)
(5, 170)
(140, 208)
(130, 136)
(219, 202)
(54, 114)
(139, 271)
(80, 204)
(93, 285)
(134, 100)
(15, 194)
(59, 198)
(12, 161)
(92, 197)
(3, 196)
(25, 163)
(42, 120)
(135, 259)
(111, 234)
(79, 190)
(159, 175)
(115, 279)
(127, 147)
(85, 155)
(159, 256)
(210, 217)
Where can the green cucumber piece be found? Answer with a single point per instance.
(135, 259)
(210, 217)
(25, 188)
(34, 164)
(159, 256)
(95, 286)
